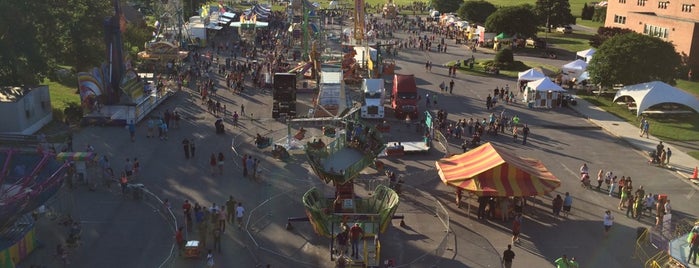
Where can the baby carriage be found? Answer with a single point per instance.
(654, 157)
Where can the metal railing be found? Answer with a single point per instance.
(157, 204)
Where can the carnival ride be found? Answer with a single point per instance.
(28, 179)
(354, 148)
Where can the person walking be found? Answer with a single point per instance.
(451, 86)
(356, 234)
(507, 256)
(693, 247)
(557, 205)
(186, 147)
(668, 153)
(459, 194)
(608, 221)
(562, 262)
(132, 130)
(209, 259)
(516, 228)
(216, 233)
(525, 133)
(221, 158)
(124, 181)
(342, 239)
(179, 239)
(213, 164)
(239, 213)
(567, 204)
(230, 206)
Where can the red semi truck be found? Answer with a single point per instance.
(404, 97)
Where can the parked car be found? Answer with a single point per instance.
(564, 29)
(536, 42)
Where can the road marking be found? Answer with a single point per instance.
(691, 194)
(569, 170)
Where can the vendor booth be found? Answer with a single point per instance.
(527, 76)
(663, 98)
(491, 171)
(543, 93)
(501, 40)
(586, 54)
(573, 70)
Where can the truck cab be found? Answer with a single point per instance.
(373, 98)
(404, 97)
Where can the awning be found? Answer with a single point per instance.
(76, 156)
(212, 26)
(488, 171)
(229, 15)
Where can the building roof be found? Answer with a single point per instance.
(12, 94)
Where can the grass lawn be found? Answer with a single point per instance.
(479, 68)
(691, 87)
(576, 41)
(588, 23)
(575, 5)
(61, 94)
(680, 128)
(694, 154)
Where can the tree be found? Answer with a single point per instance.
(604, 33)
(513, 20)
(446, 6)
(24, 59)
(476, 11)
(505, 56)
(634, 58)
(554, 12)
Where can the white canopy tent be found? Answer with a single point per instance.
(529, 75)
(573, 69)
(543, 93)
(586, 54)
(652, 93)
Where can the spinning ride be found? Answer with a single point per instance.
(355, 147)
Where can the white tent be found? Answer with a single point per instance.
(586, 54)
(543, 93)
(648, 94)
(530, 75)
(574, 69)
(526, 76)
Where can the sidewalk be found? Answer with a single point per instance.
(680, 161)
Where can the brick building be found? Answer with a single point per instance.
(676, 21)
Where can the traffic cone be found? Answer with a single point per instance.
(694, 174)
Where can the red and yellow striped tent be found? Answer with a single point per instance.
(490, 171)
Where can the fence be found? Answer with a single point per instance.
(164, 211)
(263, 215)
(651, 247)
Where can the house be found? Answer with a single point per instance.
(25, 110)
(676, 22)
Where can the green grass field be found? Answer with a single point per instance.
(576, 41)
(61, 94)
(680, 128)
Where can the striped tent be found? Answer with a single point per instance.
(490, 171)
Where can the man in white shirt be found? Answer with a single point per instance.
(239, 212)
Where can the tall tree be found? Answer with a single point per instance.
(604, 33)
(513, 20)
(23, 56)
(634, 58)
(555, 12)
(476, 11)
(446, 6)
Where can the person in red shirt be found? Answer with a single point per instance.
(187, 210)
(179, 238)
(516, 228)
(356, 234)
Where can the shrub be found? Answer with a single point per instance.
(73, 112)
(505, 56)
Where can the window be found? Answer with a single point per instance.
(655, 31)
(622, 1)
(619, 19)
(641, 3)
(687, 7)
(663, 5)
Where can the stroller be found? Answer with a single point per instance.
(654, 157)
